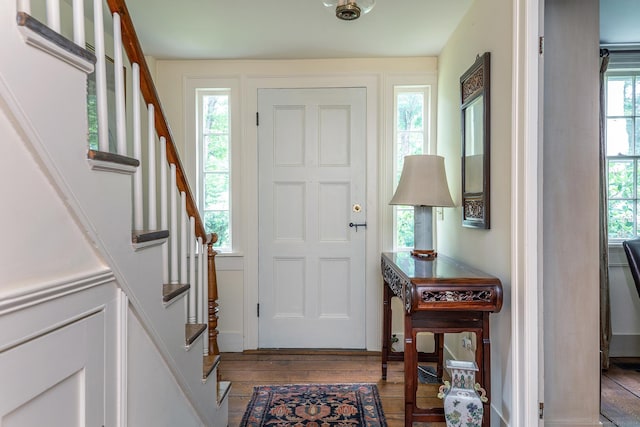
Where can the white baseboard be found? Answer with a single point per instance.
(625, 345)
(230, 342)
(570, 423)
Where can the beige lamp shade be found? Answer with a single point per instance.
(423, 183)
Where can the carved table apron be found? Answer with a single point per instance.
(441, 296)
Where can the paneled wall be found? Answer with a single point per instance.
(625, 306)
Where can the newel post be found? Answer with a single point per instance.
(213, 296)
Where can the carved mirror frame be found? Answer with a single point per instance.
(475, 108)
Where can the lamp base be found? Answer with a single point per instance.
(424, 253)
(422, 228)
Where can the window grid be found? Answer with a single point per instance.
(411, 135)
(214, 139)
(623, 154)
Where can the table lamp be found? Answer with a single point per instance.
(423, 185)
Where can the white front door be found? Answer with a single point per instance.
(312, 156)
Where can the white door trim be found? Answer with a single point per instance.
(373, 279)
(526, 236)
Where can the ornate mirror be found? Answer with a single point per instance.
(474, 90)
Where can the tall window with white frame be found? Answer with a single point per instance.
(411, 136)
(623, 152)
(214, 160)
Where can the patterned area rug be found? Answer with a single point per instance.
(334, 405)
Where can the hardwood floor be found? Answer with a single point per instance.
(620, 387)
(621, 393)
(246, 370)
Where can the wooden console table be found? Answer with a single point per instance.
(439, 296)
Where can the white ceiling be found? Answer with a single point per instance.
(291, 29)
(619, 22)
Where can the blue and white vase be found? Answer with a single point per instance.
(463, 397)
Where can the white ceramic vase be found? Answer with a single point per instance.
(463, 397)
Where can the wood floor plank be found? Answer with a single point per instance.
(620, 388)
(247, 370)
(618, 405)
(627, 378)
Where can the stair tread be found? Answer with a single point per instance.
(171, 291)
(224, 387)
(192, 331)
(209, 363)
(25, 20)
(142, 236)
(104, 156)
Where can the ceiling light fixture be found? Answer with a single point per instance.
(348, 10)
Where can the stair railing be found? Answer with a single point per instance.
(189, 255)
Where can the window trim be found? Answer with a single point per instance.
(200, 181)
(192, 150)
(427, 143)
(635, 73)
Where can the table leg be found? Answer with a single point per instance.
(439, 350)
(485, 367)
(410, 370)
(386, 328)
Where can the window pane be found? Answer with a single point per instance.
(218, 222)
(411, 136)
(619, 96)
(621, 219)
(410, 111)
(405, 227)
(637, 98)
(217, 153)
(216, 113)
(92, 112)
(637, 136)
(408, 143)
(216, 191)
(620, 179)
(620, 137)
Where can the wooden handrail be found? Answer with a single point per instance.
(136, 55)
(134, 51)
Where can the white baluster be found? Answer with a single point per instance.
(164, 208)
(138, 214)
(121, 117)
(193, 292)
(24, 6)
(78, 23)
(173, 229)
(152, 221)
(53, 15)
(205, 284)
(184, 273)
(101, 78)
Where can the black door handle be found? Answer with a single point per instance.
(351, 224)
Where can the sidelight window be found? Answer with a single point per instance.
(214, 160)
(411, 136)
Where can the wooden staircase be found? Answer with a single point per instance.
(196, 262)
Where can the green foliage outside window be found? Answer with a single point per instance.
(215, 200)
(623, 154)
(410, 139)
(92, 112)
